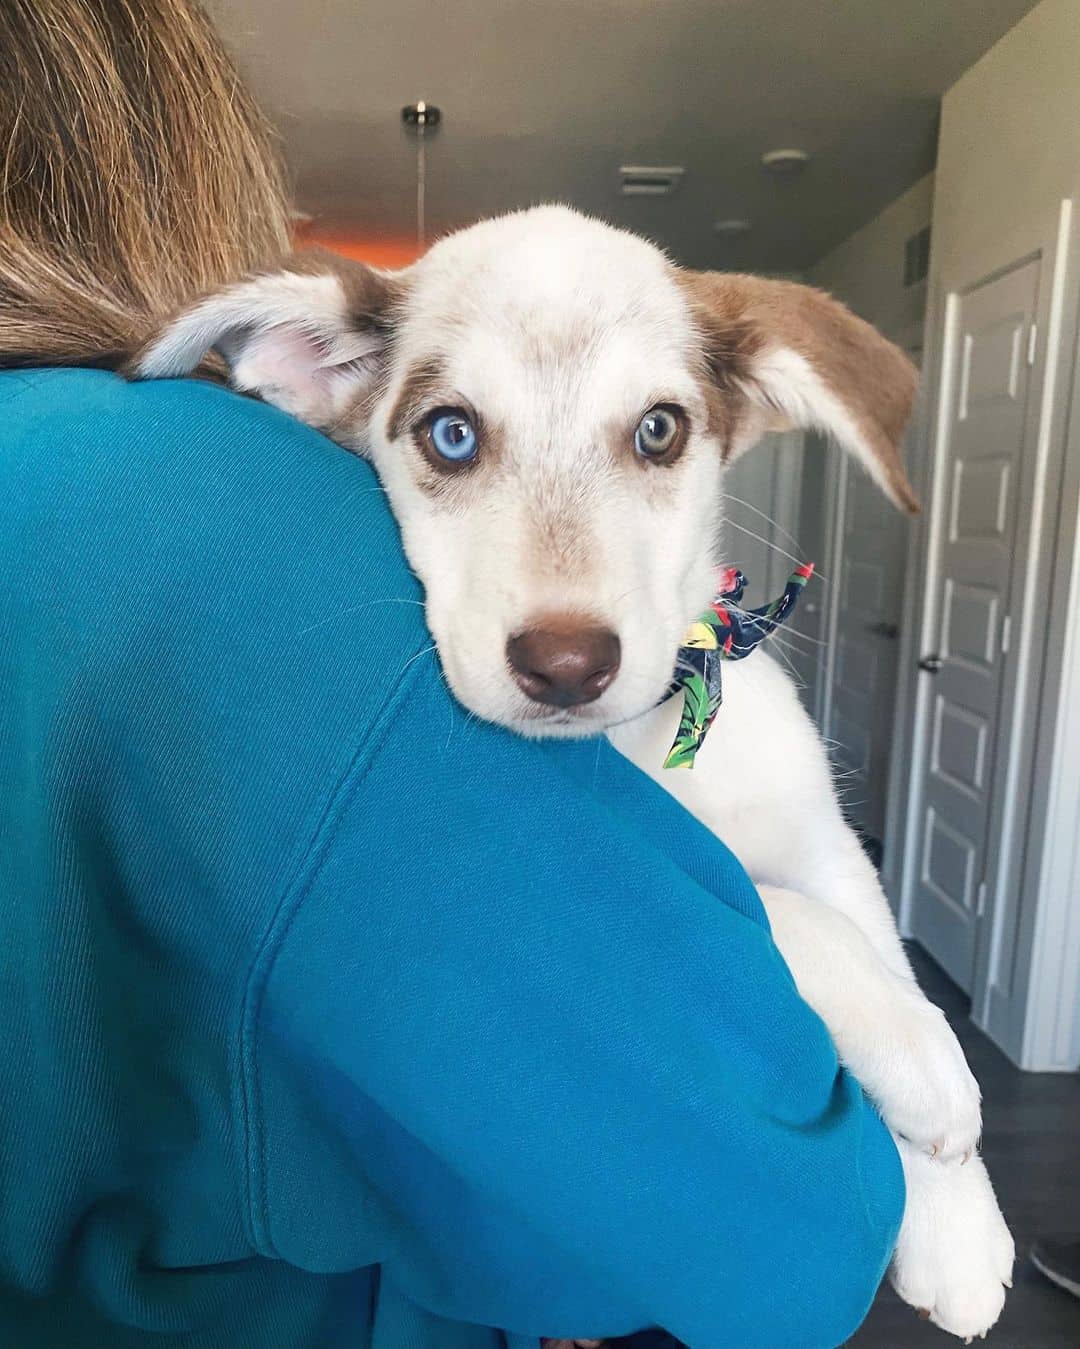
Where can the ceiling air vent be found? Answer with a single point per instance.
(917, 257)
(638, 180)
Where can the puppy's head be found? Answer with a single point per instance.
(549, 403)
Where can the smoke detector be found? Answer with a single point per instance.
(785, 161)
(646, 180)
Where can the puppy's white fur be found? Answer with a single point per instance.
(560, 333)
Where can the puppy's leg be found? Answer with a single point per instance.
(954, 1256)
(898, 1045)
(763, 784)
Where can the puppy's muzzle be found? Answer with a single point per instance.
(564, 661)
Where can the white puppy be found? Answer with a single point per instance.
(549, 403)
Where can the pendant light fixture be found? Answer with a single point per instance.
(422, 118)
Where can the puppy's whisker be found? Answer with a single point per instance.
(424, 651)
(634, 590)
(768, 543)
(779, 634)
(746, 505)
(354, 609)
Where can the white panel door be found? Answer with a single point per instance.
(862, 696)
(985, 441)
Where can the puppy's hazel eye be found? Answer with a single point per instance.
(656, 432)
(453, 436)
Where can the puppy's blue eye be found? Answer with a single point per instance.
(656, 432)
(453, 436)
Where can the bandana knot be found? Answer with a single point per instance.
(723, 632)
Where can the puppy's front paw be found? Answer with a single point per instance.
(920, 1081)
(954, 1256)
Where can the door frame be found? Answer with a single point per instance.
(837, 471)
(1006, 996)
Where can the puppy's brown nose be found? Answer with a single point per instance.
(564, 661)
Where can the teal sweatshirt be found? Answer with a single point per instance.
(334, 1018)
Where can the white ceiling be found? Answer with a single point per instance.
(544, 99)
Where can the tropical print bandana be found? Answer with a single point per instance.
(723, 632)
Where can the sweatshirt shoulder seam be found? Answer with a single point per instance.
(289, 904)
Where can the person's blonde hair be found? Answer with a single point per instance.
(135, 172)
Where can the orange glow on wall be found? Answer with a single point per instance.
(364, 248)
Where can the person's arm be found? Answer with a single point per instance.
(520, 1036)
(516, 1032)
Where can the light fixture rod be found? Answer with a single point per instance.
(421, 117)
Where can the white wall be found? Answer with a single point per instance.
(1010, 142)
(866, 271)
(1009, 156)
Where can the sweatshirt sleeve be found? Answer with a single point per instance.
(520, 1036)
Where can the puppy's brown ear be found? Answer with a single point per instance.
(310, 338)
(778, 353)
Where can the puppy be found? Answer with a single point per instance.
(550, 405)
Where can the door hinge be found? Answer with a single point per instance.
(1033, 337)
(1006, 633)
(980, 900)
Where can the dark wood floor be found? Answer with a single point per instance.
(1031, 1142)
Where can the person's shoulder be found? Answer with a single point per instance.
(161, 441)
(176, 471)
(98, 402)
